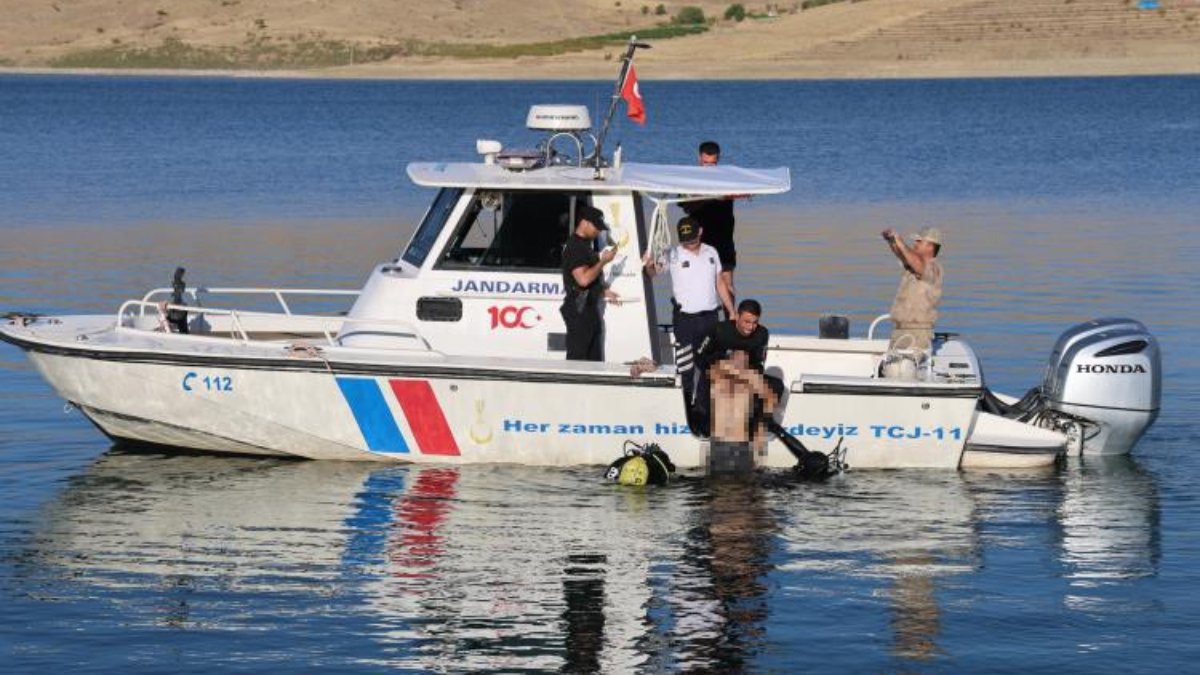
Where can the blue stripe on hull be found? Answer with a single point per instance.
(371, 411)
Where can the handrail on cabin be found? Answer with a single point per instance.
(237, 319)
(878, 320)
(278, 293)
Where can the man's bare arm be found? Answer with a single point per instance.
(913, 262)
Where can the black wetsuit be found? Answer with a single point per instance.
(716, 220)
(724, 339)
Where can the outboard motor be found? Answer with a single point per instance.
(1105, 377)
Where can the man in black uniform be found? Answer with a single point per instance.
(715, 217)
(744, 333)
(584, 287)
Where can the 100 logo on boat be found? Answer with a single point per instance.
(512, 316)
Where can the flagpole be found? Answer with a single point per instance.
(626, 63)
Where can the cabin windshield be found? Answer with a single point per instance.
(516, 229)
(427, 233)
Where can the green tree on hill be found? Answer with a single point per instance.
(690, 14)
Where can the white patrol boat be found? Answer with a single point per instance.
(454, 351)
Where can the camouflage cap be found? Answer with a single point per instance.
(930, 234)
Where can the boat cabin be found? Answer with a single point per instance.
(482, 273)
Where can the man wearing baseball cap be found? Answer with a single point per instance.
(914, 311)
(582, 270)
(696, 295)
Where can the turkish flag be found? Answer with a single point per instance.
(635, 109)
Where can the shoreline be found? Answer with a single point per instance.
(581, 69)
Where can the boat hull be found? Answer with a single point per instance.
(328, 410)
(1000, 443)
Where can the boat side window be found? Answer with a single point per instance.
(431, 226)
(512, 230)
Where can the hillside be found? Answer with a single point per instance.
(562, 38)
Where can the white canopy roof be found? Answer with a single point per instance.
(651, 178)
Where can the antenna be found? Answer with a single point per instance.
(626, 62)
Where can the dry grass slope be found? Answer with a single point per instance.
(1024, 29)
(37, 31)
(580, 38)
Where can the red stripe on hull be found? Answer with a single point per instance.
(425, 417)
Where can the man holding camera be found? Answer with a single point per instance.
(914, 310)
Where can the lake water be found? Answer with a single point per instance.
(1062, 200)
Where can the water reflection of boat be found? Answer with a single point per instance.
(1106, 515)
(561, 582)
(459, 563)
(909, 534)
(1103, 516)
(267, 524)
(710, 606)
(877, 525)
(444, 562)
(1110, 520)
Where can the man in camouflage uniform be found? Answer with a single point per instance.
(914, 310)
